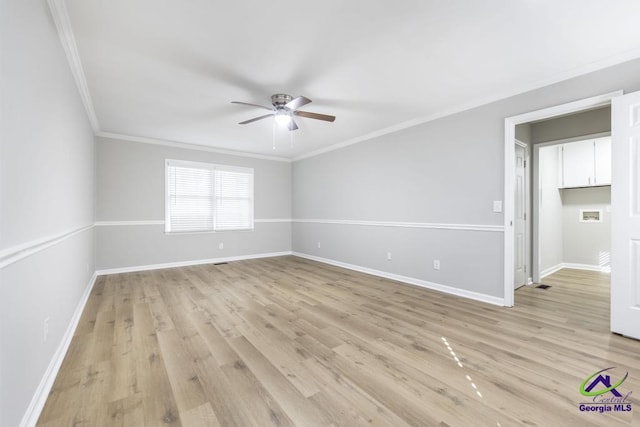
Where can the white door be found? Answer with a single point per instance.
(519, 219)
(625, 200)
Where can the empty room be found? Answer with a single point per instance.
(284, 213)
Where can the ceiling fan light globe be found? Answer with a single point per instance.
(283, 119)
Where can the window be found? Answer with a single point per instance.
(207, 197)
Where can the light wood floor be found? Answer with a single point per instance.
(286, 341)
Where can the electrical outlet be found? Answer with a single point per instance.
(220, 245)
(388, 256)
(318, 245)
(436, 264)
(45, 329)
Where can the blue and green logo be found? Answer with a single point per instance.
(587, 388)
(604, 393)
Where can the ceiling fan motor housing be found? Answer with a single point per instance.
(280, 99)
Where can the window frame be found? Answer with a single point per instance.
(213, 167)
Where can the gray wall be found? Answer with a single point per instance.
(444, 171)
(586, 243)
(523, 133)
(46, 190)
(130, 187)
(574, 125)
(550, 210)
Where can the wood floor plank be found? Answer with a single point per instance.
(202, 416)
(301, 410)
(213, 339)
(286, 341)
(226, 405)
(123, 364)
(257, 401)
(286, 356)
(158, 399)
(127, 412)
(185, 384)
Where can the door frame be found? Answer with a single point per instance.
(509, 171)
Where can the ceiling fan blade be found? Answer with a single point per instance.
(296, 103)
(307, 114)
(255, 119)
(292, 125)
(252, 105)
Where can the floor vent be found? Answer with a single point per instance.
(543, 286)
(221, 263)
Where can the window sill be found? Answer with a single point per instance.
(180, 233)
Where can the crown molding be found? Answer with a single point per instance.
(188, 146)
(63, 24)
(557, 78)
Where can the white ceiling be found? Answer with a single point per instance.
(168, 70)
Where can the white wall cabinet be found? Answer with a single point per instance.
(577, 164)
(586, 163)
(602, 150)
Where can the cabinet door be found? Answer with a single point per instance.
(577, 164)
(603, 161)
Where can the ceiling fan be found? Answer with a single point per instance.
(283, 108)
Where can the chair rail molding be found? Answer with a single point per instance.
(428, 225)
(15, 253)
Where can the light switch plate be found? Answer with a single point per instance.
(497, 205)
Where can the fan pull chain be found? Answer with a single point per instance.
(291, 138)
(274, 134)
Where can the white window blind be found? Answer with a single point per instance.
(208, 197)
(233, 199)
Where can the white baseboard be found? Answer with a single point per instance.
(39, 398)
(188, 263)
(548, 271)
(410, 280)
(588, 267)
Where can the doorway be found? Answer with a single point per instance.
(572, 207)
(571, 181)
(510, 174)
